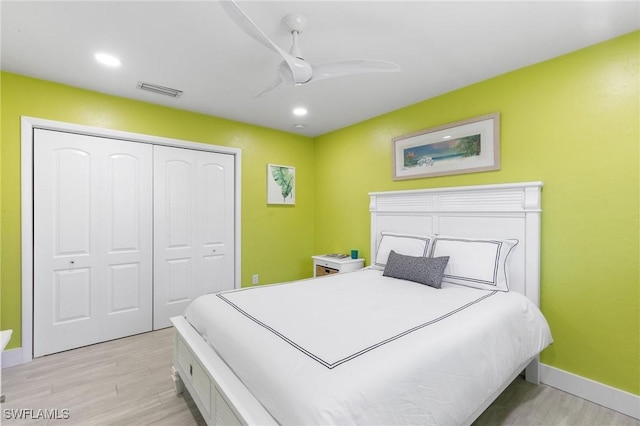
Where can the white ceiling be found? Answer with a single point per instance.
(194, 46)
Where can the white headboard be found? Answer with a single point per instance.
(484, 211)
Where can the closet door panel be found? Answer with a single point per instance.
(178, 201)
(90, 198)
(72, 295)
(124, 288)
(218, 253)
(178, 210)
(215, 276)
(71, 201)
(175, 232)
(194, 229)
(124, 213)
(213, 178)
(66, 248)
(179, 273)
(128, 231)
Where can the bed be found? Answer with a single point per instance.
(411, 339)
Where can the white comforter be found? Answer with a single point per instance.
(360, 348)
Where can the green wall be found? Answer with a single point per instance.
(571, 122)
(277, 242)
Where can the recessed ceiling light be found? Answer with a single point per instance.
(299, 126)
(446, 137)
(108, 60)
(299, 111)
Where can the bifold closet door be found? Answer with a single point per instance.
(92, 240)
(194, 206)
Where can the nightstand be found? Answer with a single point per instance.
(323, 265)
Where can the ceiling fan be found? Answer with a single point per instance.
(294, 69)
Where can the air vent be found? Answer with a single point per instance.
(167, 91)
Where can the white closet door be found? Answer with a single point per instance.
(194, 228)
(92, 240)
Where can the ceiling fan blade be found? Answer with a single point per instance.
(300, 69)
(247, 25)
(277, 83)
(352, 67)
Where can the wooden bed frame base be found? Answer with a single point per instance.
(224, 400)
(220, 396)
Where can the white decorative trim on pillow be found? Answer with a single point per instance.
(409, 245)
(475, 262)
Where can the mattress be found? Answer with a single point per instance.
(361, 348)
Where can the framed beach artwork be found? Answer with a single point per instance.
(466, 146)
(281, 184)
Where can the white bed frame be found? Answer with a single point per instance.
(495, 211)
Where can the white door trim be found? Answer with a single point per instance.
(28, 124)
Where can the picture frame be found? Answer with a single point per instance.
(466, 146)
(281, 184)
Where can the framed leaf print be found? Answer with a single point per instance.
(281, 184)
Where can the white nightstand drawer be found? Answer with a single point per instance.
(328, 264)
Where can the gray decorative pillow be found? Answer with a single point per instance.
(423, 270)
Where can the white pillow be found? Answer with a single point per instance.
(409, 245)
(475, 262)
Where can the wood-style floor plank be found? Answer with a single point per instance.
(127, 382)
(525, 404)
(121, 382)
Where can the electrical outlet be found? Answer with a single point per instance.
(254, 279)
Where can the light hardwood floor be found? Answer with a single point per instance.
(127, 382)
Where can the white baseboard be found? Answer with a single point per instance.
(607, 396)
(12, 357)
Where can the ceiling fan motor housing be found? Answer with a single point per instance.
(295, 22)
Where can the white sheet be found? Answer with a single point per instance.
(360, 348)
